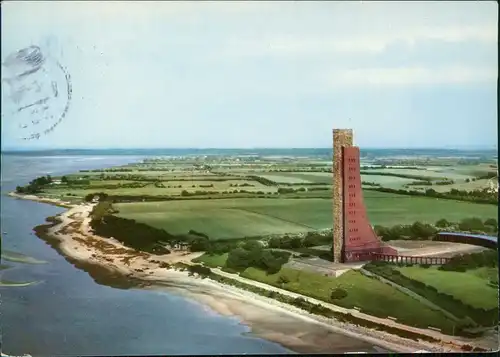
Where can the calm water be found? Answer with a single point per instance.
(68, 313)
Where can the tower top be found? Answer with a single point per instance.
(342, 138)
(347, 131)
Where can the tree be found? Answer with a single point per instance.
(420, 230)
(274, 242)
(238, 258)
(471, 224)
(382, 232)
(199, 244)
(338, 293)
(491, 222)
(296, 242)
(252, 245)
(443, 223)
(430, 192)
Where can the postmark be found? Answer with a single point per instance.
(38, 92)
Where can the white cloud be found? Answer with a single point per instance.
(411, 76)
(370, 42)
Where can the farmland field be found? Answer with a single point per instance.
(235, 218)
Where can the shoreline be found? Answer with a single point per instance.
(267, 318)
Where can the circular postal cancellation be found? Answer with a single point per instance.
(36, 93)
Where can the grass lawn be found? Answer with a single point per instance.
(468, 287)
(245, 217)
(213, 261)
(370, 295)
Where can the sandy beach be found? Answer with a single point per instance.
(267, 318)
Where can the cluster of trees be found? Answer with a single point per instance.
(125, 177)
(424, 231)
(311, 168)
(311, 239)
(416, 177)
(369, 183)
(478, 196)
(417, 230)
(419, 183)
(35, 186)
(475, 224)
(241, 185)
(464, 262)
(101, 196)
(385, 166)
(186, 193)
(487, 176)
(115, 169)
(253, 254)
(262, 180)
(133, 234)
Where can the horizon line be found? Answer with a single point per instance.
(472, 147)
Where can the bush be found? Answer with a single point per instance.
(200, 270)
(313, 239)
(443, 223)
(198, 244)
(338, 294)
(471, 224)
(238, 259)
(419, 230)
(252, 245)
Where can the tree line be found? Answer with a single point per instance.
(425, 231)
(477, 196)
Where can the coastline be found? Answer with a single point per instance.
(267, 318)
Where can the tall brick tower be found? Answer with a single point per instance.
(341, 138)
(353, 237)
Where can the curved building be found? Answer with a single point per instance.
(468, 238)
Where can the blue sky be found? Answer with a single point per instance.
(264, 74)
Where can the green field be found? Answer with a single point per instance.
(213, 261)
(236, 218)
(469, 287)
(372, 296)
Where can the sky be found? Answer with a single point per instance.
(248, 74)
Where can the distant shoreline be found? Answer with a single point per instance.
(71, 235)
